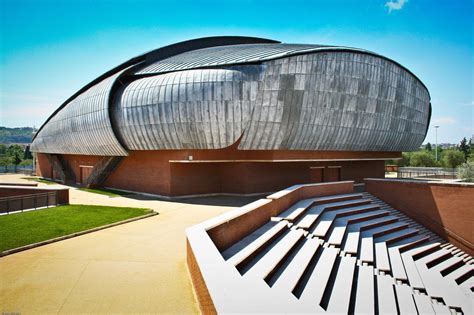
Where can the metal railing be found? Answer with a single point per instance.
(24, 169)
(426, 172)
(27, 202)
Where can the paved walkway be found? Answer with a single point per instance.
(139, 267)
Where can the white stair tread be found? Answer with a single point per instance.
(405, 299)
(341, 292)
(367, 249)
(257, 244)
(441, 252)
(381, 256)
(386, 296)
(341, 224)
(398, 270)
(293, 272)
(317, 282)
(437, 287)
(314, 212)
(446, 264)
(271, 259)
(296, 210)
(461, 271)
(327, 218)
(352, 240)
(365, 299)
(423, 304)
(441, 309)
(398, 235)
(412, 272)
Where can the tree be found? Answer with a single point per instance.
(428, 147)
(465, 148)
(5, 161)
(3, 149)
(453, 158)
(27, 155)
(15, 153)
(466, 172)
(422, 159)
(405, 160)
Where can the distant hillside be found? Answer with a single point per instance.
(15, 135)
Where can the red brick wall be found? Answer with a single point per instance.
(151, 171)
(43, 168)
(144, 171)
(446, 209)
(75, 161)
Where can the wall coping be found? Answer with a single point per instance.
(33, 188)
(422, 182)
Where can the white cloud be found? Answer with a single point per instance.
(395, 5)
(443, 121)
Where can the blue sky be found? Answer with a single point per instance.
(50, 49)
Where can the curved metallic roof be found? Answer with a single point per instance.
(162, 53)
(226, 55)
(300, 88)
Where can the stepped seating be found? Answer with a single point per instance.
(353, 253)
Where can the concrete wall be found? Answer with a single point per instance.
(446, 209)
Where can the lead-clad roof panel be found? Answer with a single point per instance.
(82, 126)
(226, 55)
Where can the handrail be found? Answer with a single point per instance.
(26, 202)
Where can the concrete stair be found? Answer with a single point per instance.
(356, 254)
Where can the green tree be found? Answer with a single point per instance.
(27, 155)
(3, 149)
(15, 153)
(465, 148)
(453, 158)
(405, 160)
(26, 162)
(428, 147)
(5, 161)
(422, 159)
(466, 171)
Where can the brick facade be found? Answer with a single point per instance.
(171, 173)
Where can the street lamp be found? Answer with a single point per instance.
(436, 146)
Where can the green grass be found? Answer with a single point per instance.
(107, 192)
(40, 180)
(25, 228)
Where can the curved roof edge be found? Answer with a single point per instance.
(165, 52)
(309, 50)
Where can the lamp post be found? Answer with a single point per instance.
(436, 147)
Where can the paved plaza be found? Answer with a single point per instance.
(138, 267)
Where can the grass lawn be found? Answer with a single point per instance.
(40, 180)
(107, 192)
(25, 228)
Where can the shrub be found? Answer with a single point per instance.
(422, 159)
(466, 171)
(405, 160)
(5, 161)
(26, 162)
(453, 158)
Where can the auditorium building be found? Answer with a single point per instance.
(236, 115)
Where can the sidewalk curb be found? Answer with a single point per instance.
(65, 237)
